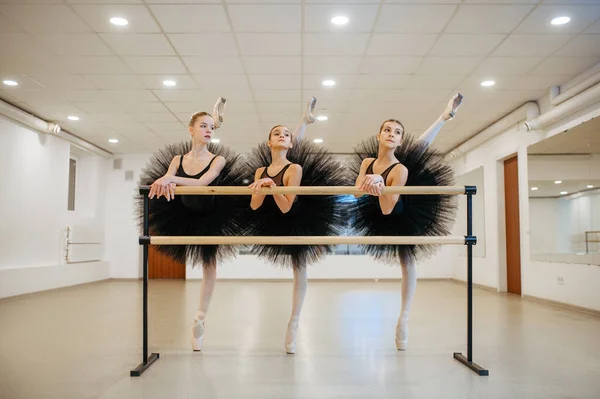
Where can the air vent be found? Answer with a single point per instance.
(128, 175)
(117, 163)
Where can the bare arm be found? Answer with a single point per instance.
(257, 199)
(298, 132)
(397, 177)
(361, 175)
(292, 178)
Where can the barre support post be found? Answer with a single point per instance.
(470, 241)
(144, 241)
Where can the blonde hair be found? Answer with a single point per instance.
(196, 116)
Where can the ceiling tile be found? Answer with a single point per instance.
(497, 66)
(42, 18)
(185, 18)
(435, 81)
(73, 44)
(63, 82)
(91, 65)
(99, 107)
(98, 17)
(97, 96)
(155, 82)
(487, 18)
(530, 45)
(131, 96)
(265, 18)
(155, 65)
(229, 81)
(272, 65)
(269, 44)
(329, 65)
(187, 108)
(400, 44)
(277, 95)
(210, 44)
(20, 44)
(581, 45)
(328, 96)
(539, 20)
(335, 44)
(138, 44)
(594, 28)
(154, 117)
(565, 65)
(537, 82)
(449, 65)
(390, 65)
(8, 26)
(271, 82)
(413, 18)
(214, 64)
(342, 82)
(154, 107)
(279, 107)
(364, 82)
(453, 45)
(30, 64)
(317, 18)
(115, 82)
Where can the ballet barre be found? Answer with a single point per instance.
(311, 190)
(304, 240)
(469, 240)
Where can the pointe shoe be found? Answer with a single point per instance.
(290, 336)
(452, 107)
(218, 110)
(308, 111)
(402, 334)
(198, 333)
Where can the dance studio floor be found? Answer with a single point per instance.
(81, 342)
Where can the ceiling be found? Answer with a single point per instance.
(582, 139)
(547, 188)
(395, 59)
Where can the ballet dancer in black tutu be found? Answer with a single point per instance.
(394, 159)
(287, 160)
(198, 162)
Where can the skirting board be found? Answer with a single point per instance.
(557, 304)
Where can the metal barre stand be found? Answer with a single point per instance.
(470, 240)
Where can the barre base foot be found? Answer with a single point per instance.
(473, 366)
(144, 365)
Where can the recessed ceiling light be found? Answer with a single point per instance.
(119, 21)
(169, 83)
(557, 181)
(10, 83)
(488, 83)
(564, 192)
(322, 118)
(339, 20)
(318, 141)
(534, 188)
(560, 20)
(114, 141)
(215, 141)
(73, 118)
(590, 186)
(329, 82)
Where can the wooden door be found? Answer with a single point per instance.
(163, 267)
(513, 228)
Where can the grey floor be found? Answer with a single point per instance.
(81, 342)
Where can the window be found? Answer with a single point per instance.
(72, 179)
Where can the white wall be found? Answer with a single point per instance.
(538, 278)
(123, 252)
(33, 210)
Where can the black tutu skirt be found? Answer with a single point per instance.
(416, 215)
(311, 215)
(198, 215)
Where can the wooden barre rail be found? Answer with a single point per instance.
(316, 190)
(306, 240)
